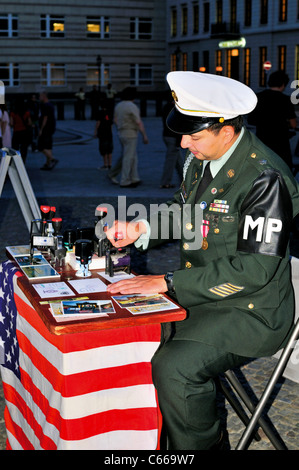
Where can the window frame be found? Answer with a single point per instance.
(49, 80)
(47, 32)
(10, 31)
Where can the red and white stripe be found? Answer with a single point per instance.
(81, 391)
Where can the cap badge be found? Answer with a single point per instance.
(173, 93)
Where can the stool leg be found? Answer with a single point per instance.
(268, 390)
(250, 405)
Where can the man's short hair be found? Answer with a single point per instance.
(278, 79)
(236, 123)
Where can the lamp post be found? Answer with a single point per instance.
(99, 64)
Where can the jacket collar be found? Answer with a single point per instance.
(225, 177)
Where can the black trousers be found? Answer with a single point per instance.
(183, 374)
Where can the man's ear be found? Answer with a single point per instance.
(228, 134)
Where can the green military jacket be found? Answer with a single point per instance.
(235, 284)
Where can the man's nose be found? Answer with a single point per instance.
(185, 141)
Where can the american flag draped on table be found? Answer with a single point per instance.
(89, 390)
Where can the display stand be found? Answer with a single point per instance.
(13, 166)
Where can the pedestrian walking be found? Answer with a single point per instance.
(129, 124)
(47, 126)
(103, 131)
(21, 124)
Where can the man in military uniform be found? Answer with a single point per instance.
(235, 284)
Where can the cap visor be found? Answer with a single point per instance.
(185, 125)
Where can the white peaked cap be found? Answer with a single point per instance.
(202, 98)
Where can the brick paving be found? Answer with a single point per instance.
(76, 187)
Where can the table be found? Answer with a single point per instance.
(81, 385)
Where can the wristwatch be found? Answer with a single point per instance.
(169, 281)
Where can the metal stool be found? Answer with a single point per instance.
(256, 410)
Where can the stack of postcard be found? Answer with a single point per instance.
(35, 266)
(81, 307)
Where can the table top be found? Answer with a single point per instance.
(120, 319)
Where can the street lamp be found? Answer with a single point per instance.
(99, 64)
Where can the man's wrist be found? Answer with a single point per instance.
(169, 281)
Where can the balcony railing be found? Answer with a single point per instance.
(225, 30)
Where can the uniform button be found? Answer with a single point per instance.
(189, 226)
(253, 155)
(251, 306)
(216, 230)
(188, 265)
(186, 246)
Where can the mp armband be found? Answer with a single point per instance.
(266, 216)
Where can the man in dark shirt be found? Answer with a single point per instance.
(274, 116)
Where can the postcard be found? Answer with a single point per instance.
(82, 308)
(88, 285)
(27, 260)
(53, 289)
(140, 303)
(44, 271)
(20, 250)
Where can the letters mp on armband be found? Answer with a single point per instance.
(262, 235)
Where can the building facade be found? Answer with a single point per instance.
(244, 39)
(62, 46)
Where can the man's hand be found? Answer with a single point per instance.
(150, 284)
(124, 233)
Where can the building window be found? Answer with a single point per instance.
(140, 28)
(52, 26)
(218, 60)
(140, 74)
(53, 75)
(283, 10)
(174, 22)
(9, 26)
(219, 11)
(185, 61)
(262, 72)
(184, 28)
(282, 54)
(248, 13)
(94, 76)
(233, 13)
(206, 17)
(247, 62)
(98, 27)
(195, 18)
(173, 62)
(9, 74)
(264, 12)
(206, 60)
